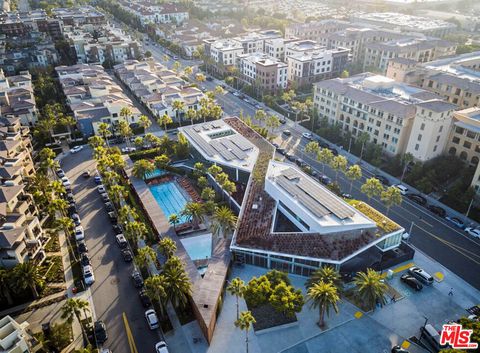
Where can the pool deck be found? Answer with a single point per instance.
(206, 290)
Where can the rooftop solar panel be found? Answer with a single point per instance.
(241, 142)
(290, 173)
(233, 148)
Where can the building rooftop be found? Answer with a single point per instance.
(219, 142)
(393, 19)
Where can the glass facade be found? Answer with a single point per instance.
(391, 241)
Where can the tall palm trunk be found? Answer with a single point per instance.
(321, 321)
(246, 340)
(34, 290)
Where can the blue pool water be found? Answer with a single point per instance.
(156, 173)
(170, 198)
(198, 247)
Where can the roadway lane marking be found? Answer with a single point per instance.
(131, 341)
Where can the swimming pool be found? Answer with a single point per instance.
(198, 247)
(170, 198)
(156, 173)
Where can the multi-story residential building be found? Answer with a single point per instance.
(316, 31)
(107, 44)
(152, 12)
(455, 78)
(17, 99)
(21, 23)
(224, 52)
(464, 138)
(94, 97)
(79, 16)
(158, 87)
(254, 42)
(422, 50)
(309, 62)
(264, 73)
(14, 337)
(275, 48)
(398, 117)
(405, 23)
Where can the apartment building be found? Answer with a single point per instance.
(108, 44)
(464, 138)
(79, 16)
(157, 88)
(264, 73)
(398, 117)
(223, 52)
(94, 97)
(315, 30)
(14, 337)
(254, 42)
(456, 78)
(405, 23)
(21, 23)
(309, 62)
(149, 12)
(17, 99)
(377, 55)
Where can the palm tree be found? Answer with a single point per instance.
(142, 167)
(161, 161)
(174, 220)
(177, 283)
(272, 122)
(195, 212)
(224, 221)
(370, 288)
(338, 163)
(96, 141)
(125, 113)
(353, 173)
(188, 70)
(104, 130)
(67, 121)
(323, 296)
(208, 194)
(27, 275)
(326, 274)
(391, 196)
(324, 156)
(200, 77)
(237, 288)
(168, 247)
(117, 193)
(312, 148)
(244, 322)
(191, 114)
(406, 160)
(127, 214)
(6, 277)
(145, 256)
(178, 106)
(144, 122)
(155, 287)
(73, 309)
(260, 115)
(164, 120)
(371, 188)
(125, 130)
(136, 230)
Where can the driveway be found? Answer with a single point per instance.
(113, 292)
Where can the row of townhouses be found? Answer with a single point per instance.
(157, 88)
(22, 237)
(152, 12)
(94, 97)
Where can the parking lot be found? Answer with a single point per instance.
(113, 292)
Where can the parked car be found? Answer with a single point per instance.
(421, 275)
(101, 189)
(127, 255)
(334, 151)
(84, 259)
(113, 217)
(325, 179)
(105, 197)
(455, 221)
(422, 201)
(88, 276)
(437, 210)
(60, 173)
(473, 232)
(346, 195)
(403, 189)
(86, 174)
(276, 145)
(307, 135)
(72, 209)
(287, 132)
(282, 151)
(258, 106)
(109, 206)
(209, 78)
(300, 162)
(161, 347)
(79, 234)
(144, 298)
(65, 181)
(98, 179)
(121, 241)
(323, 144)
(128, 149)
(137, 279)
(82, 247)
(411, 281)
(117, 228)
(76, 219)
(70, 198)
(236, 94)
(100, 331)
(283, 121)
(382, 179)
(398, 349)
(290, 157)
(152, 319)
(76, 149)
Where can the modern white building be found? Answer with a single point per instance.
(14, 337)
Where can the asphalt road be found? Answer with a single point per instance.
(451, 247)
(113, 292)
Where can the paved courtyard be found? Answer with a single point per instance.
(372, 332)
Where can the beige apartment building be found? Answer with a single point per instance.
(398, 117)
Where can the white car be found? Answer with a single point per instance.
(128, 149)
(161, 347)
(307, 135)
(101, 189)
(88, 275)
(79, 233)
(121, 241)
(236, 94)
(152, 319)
(65, 181)
(76, 149)
(403, 189)
(473, 232)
